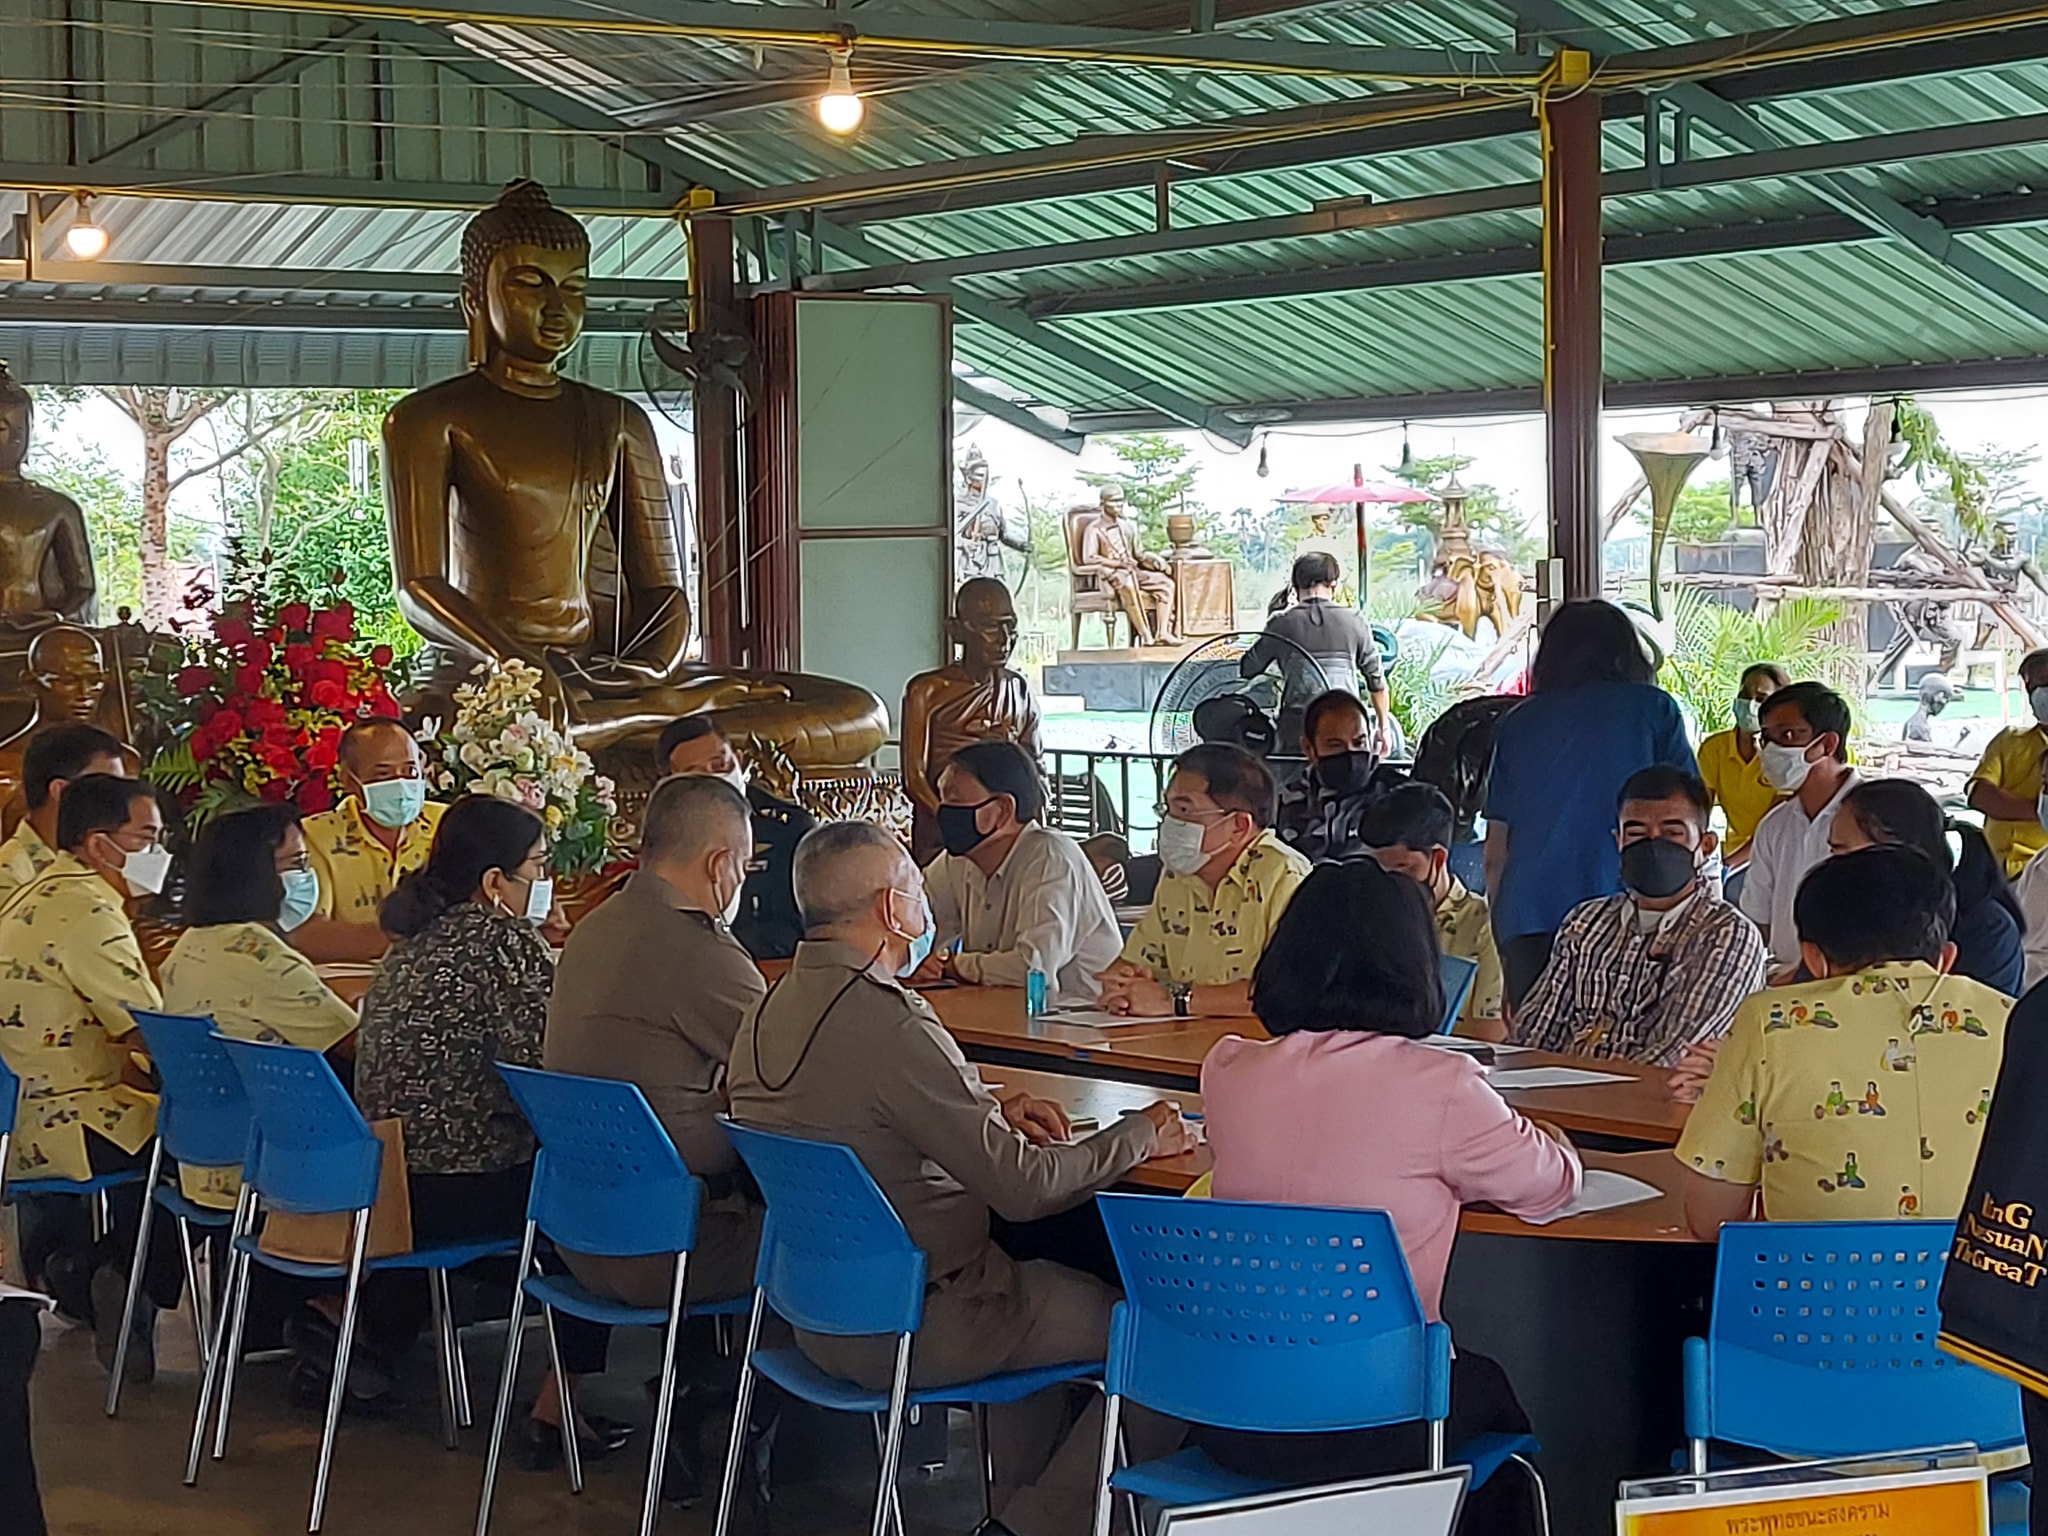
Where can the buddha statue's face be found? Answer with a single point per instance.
(17, 420)
(534, 300)
(70, 677)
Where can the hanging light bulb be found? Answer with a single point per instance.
(1262, 455)
(1407, 453)
(85, 239)
(840, 109)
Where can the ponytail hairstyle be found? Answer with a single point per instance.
(480, 833)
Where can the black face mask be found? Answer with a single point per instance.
(957, 829)
(1345, 773)
(1656, 868)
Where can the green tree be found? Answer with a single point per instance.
(1491, 519)
(1156, 480)
(1703, 513)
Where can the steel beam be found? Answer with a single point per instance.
(187, 120)
(1023, 420)
(433, 287)
(340, 191)
(30, 303)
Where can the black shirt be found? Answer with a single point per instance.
(769, 924)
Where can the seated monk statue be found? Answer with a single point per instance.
(498, 485)
(45, 559)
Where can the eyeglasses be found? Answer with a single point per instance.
(1162, 811)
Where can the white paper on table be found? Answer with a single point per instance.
(1103, 1019)
(1461, 1043)
(18, 1293)
(1603, 1190)
(1551, 1077)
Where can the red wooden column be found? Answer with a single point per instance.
(719, 506)
(1571, 329)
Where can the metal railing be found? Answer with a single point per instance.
(1115, 792)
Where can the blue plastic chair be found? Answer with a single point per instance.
(312, 1153)
(836, 1259)
(1822, 1345)
(1468, 863)
(608, 1181)
(202, 1121)
(1283, 1318)
(1458, 974)
(96, 1186)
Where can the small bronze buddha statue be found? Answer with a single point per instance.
(68, 673)
(45, 558)
(530, 519)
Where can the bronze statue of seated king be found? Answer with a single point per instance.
(530, 519)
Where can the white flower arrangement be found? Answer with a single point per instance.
(500, 743)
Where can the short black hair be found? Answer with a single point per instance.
(1589, 640)
(1316, 974)
(1004, 768)
(1414, 816)
(233, 874)
(97, 802)
(1876, 904)
(1329, 703)
(1317, 568)
(1236, 780)
(2033, 662)
(1823, 710)
(366, 726)
(1662, 781)
(676, 732)
(61, 752)
(479, 833)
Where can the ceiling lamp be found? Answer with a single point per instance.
(840, 109)
(85, 239)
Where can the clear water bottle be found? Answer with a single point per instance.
(1035, 994)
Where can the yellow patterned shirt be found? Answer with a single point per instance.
(255, 986)
(1857, 1098)
(1464, 928)
(70, 969)
(23, 857)
(356, 871)
(1210, 939)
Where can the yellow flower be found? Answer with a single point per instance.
(553, 816)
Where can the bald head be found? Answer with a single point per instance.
(842, 868)
(379, 748)
(984, 623)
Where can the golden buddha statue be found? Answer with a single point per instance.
(530, 519)
(45, 558)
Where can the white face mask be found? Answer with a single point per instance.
(732, 905)
(1180, 846)
(2037, 701)
(540, 900)
(737, 778)
(1783, 768)
(146, 871)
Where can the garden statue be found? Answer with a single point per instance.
(1109, 550)
(45, 558)
(982, 526)
(68, 674)
(977, 698)
(530, 521)
(1465, 584)
(1937, 692)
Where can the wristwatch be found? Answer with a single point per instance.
(1182, 993)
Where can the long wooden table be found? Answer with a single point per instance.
(992, 1027)
(1102, 1100)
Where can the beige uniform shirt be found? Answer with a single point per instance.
(1044, 909)
(1464, 928)
(24, 857)
(70, 969)
(835, 1054)
(650, 992)
(356, 871)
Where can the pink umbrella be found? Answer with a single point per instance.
(1357, 491)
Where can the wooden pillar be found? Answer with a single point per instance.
(1571, 328)
(722, 553)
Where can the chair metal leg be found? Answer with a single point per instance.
(895, 1493)
(988, 1461)
(664, 1407)
(238, 1312)
(98, 1205)
(1112, 1418)
(572, 1453)
(1696, 1458)
(337, 1389)
(892, 1440)
(156, 1165)
(1542, 1493)
(6, 1150)
(444, 1378)
(1436, 1445)
(199, 1290)
(729, 1488)
(215, 1354)
(507, 1376)
(460, 1366)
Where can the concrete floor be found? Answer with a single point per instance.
(122, 1477)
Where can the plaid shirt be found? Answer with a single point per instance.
(1612, 990)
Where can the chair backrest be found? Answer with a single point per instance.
(1074, 522)
(10, 1101)
(204, 1115)
(1273, 1317)
(1457, 974)
(835, 1256)
(314, 1152)
(1822, 1344)
(607, 1179)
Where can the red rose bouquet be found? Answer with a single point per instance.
(256, 711)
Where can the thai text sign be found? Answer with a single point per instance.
(1952, 1501)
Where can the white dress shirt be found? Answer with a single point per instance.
(2031, 889)
(1788, 843)
(1044, 909)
